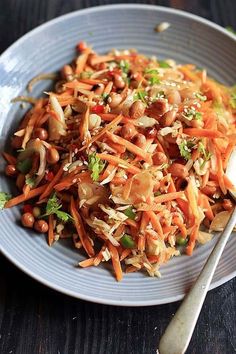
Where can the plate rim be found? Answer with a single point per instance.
(59, 19)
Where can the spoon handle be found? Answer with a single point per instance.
(178, 334)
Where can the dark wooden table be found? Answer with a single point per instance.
(35, 319)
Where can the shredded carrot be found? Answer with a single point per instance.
(85, 240)
(155, 223)
(201, 133)
(81, 61)
(177, 221)
(192, 240)
(168, 197)
(129, 146)
(125, 253)
(192, 199)
(97, 59)
(127, 188)
(83, 129)
(53, 182)
(115, 261)
(141, 242)
(87, 262)
(50, 230)
(117, 161)
(71, 179)
(22, 198)
(204, 203)
(103, 131)
(108, 88)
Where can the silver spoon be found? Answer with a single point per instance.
(178, 333)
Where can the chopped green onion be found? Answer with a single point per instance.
(129, 213)
(24, 166)
(181, 241)
(127, 241)
(156, 194)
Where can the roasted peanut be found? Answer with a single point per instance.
(11, 170)
(209, 189)
(150, 133)
(227, 204)
(41, 133)
(27, 220)
(114, 99)
(159, 158)
(168, 118)
(41, 226)
(140, 140)
(178, 170)
(128, 131)
(52, 156)
(137, 110)
(118, 81)
(161, 106)
(134, 83)
(174, 97)
(67, 73)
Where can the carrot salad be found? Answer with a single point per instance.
(127, 157)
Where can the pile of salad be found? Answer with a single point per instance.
(126, 157)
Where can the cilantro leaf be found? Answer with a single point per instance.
(163, 64)
(4, 197)
(154, 80)
(151, 71)
(62, 215)
(153, 76)
(95, 165)
(185, 149)
(53, 207)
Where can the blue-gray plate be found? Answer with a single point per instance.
(45, 49)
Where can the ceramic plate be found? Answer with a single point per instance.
(45, 49)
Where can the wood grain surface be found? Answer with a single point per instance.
(35, 319)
